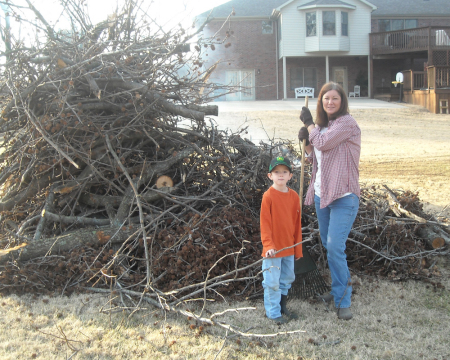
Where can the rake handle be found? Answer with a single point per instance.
(302, 170)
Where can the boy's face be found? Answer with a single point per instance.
(280, 175)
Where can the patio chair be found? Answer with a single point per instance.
(356, 92)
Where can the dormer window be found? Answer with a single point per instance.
(311, 24)
(344, 23)
(329, 23)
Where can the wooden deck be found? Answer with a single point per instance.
(430, 89)
(425, 39)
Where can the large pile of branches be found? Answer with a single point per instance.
(111, 169)
(114, 179)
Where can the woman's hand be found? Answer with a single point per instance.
(306, 117)
(303, 134)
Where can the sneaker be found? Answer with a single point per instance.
(326, 297)
(279, 320)
(344, 313)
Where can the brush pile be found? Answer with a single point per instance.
(114, 179)
(392, 237)
(111, 169)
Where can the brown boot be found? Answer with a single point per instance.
(344, 313)
(284, 309)
(280, 320)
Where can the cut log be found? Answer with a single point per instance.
(164, 181)
(65, 242)
(432, 236)
(398, 209)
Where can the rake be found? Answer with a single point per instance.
(308, 280)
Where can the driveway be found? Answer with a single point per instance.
(236, 115)
(296, 104)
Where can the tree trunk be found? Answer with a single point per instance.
(66, 242)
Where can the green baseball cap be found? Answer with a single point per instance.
(280, 160)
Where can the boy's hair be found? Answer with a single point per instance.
(280, 160)
(321, 116)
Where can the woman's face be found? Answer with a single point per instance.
(331, 102)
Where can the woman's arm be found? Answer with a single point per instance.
(342, 130)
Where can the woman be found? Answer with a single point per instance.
(335, 146)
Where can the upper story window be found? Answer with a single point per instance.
(396, 24)
(311, 24)
(329, 23)
(267, 27)
(344, 23)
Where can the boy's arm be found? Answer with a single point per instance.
(298, 251)
(266, 226)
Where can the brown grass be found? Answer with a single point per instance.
(391, 321)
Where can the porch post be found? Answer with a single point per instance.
(370, 86)
(430, 52)
(370, 77)
(284, 79)
(327, 69)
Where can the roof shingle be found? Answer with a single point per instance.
(385, 8)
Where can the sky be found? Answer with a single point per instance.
(166, 10)
(168, 13)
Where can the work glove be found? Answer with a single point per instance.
(306, 117)
(303, 134)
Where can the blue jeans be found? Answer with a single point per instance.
(278, 274)
(335, 223)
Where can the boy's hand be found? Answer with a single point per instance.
(270, 253)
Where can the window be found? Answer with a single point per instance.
(396, 24)
(384, 25)
(300, 77)
(329, 23)
(267, 27)
(311, 24)
(411, 24)
(344, 23)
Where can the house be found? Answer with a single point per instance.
(272, 47)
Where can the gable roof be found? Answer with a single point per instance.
(418, 8)
(325, 3)
(322, 3)
(245, 8)
(381, 8)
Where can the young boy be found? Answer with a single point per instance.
(280, 228)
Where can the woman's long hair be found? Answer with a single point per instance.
(321, 116)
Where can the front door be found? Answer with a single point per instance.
(340, 77)
(243, 82)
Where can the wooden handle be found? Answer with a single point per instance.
(302, 171)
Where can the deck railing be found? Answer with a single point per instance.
(442, 77)
(418, 39)
(436, 77)
(419, 80)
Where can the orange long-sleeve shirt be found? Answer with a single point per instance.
(280, 221)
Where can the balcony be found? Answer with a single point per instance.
(410, 40)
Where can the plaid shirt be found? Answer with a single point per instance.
(341, 148)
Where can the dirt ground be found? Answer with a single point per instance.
(404, 148)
